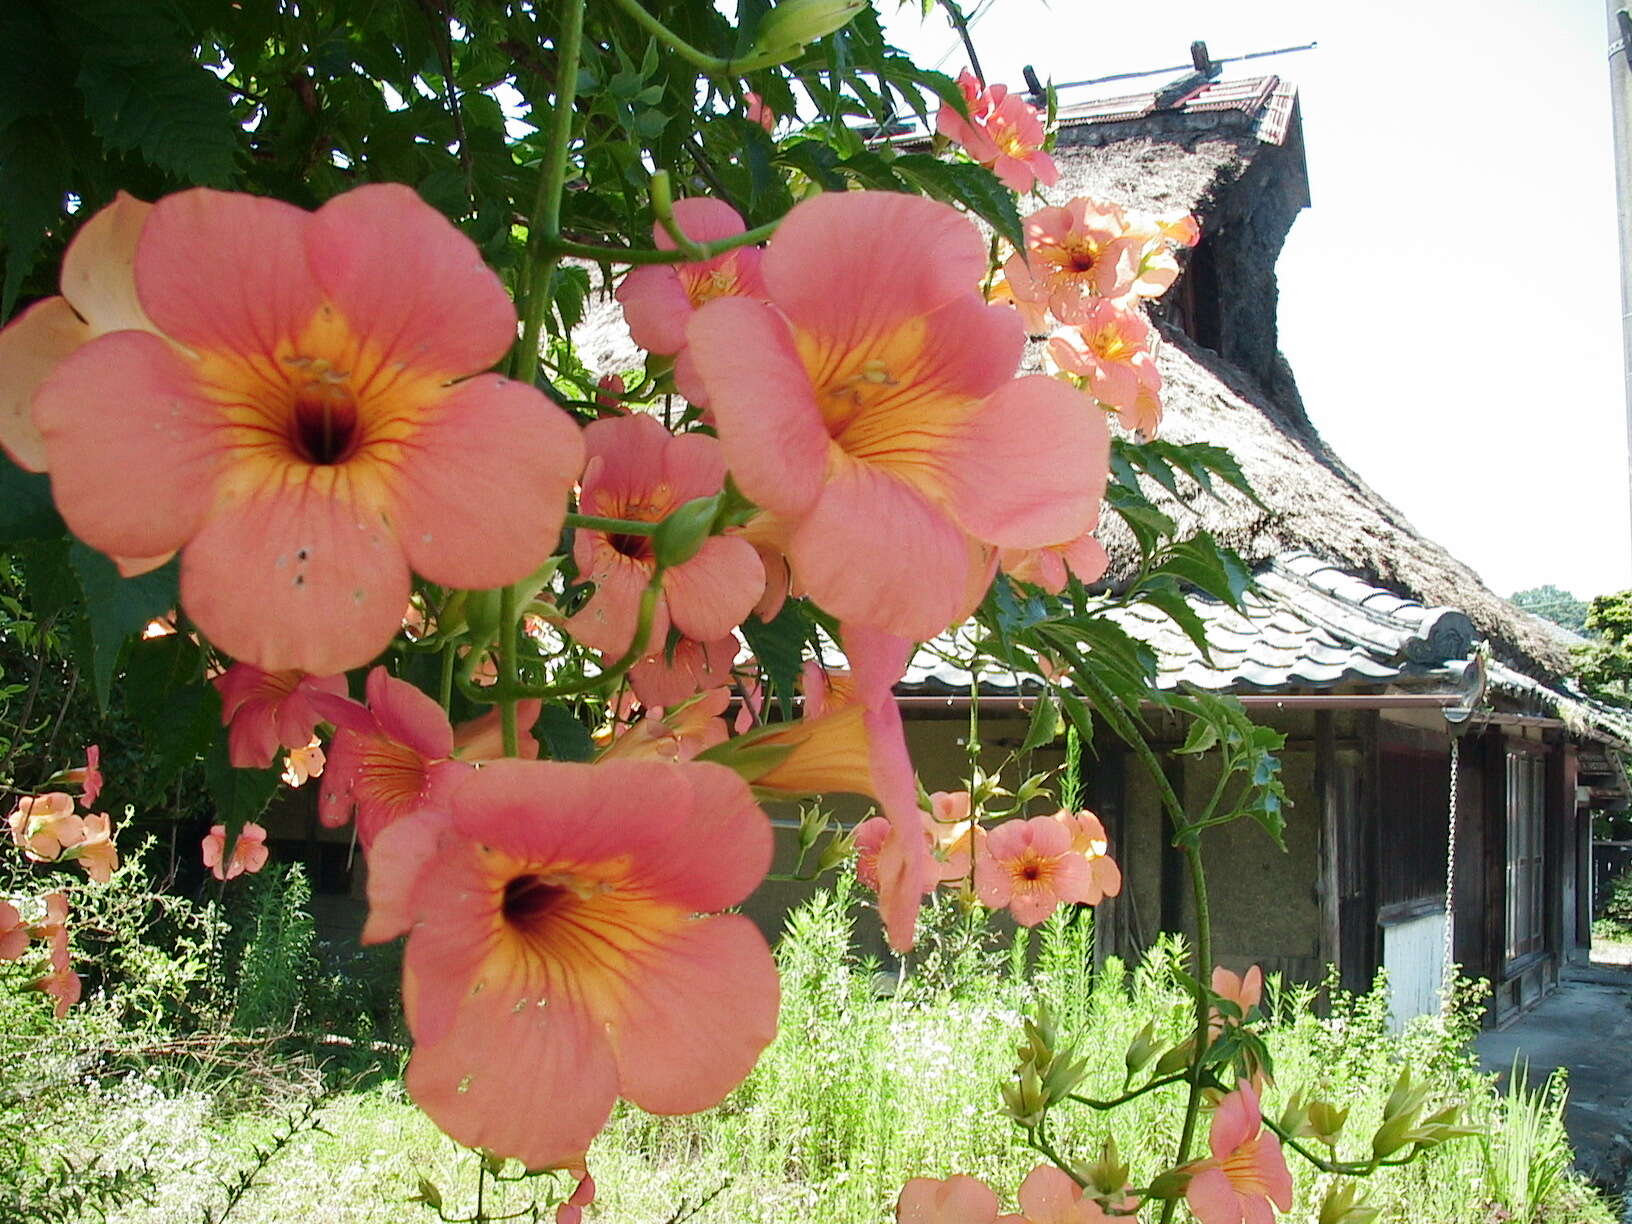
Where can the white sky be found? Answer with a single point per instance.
(1450, 303)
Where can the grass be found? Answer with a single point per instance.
(871, 1081)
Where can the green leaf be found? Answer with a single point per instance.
(780, 648)
(177, 711)
(1202, 737)
(562, 735)
(240, 795)
(26, 509)
(145, 91)
(117, 607)
(1200, 562)
(974, 187)
(1045, 724)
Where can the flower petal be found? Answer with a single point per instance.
(99, 267)
(770, 426)
(693, 1015)
(254, 291)
(395, 862)
(714, 592)
(401, 274)
(655, 308)
(535, 1082)
(849, 554)
(133, 447)
(861, 262)
(296, 578)
(485, 484)
(34, 344)
(1212, 1198)
(1030, 469)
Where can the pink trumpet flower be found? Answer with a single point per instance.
(555, 953)
(264, 711)
(1004, 133)
(638, 470)
(311, 424)
(871, 405)
(660, 299)
(1029, 868)
(959, 1199)
(1247, 1171)
(249, 852)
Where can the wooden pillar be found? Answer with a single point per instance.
(1105, 789)
(1495, 866)
(1359, 947)
(1328, 795)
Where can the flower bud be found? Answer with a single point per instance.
(839, 849)
(1345, 1204)
(1107, 1175)
(482, 616)
(683, 531)
(1171, 1184)
(1177, 1058)
(786, 29)
(1141, 1049)
(813, 822)
(1024, 1100)
(1326, 1122)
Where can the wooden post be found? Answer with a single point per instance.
(1330, 883)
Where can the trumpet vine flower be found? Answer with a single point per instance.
(1029, 868)
(639, 470)
(1004, 133)
(43, 826)
(96, 852)
(311, 423)
(871, 405)
(1247, 1171)
(659, 299)
(264, 711)
(555, 958)
(249, 852)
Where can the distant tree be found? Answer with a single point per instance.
(1554, 604)
(1605, 666)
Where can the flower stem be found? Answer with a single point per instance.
(1204, 960)
(709, 65)
(508, 619)
(634, 255)
(509, 690)
(445, 693)
(545, 226)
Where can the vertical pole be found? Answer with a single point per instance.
(1620, 99)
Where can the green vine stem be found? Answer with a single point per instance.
(635, 255)
(709, 65)
(1178, 1077)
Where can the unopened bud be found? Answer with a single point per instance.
(1326, 1122)
(1346, 1204)
(1108, 1175)
(1024, 1099)
(683, 530)
(1171, 1184)
(839, 849)
(813, 822)
(1141, 1049)
(1177, 1058)
(786, 29)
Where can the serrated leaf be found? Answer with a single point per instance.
(1202, 737)
(975, 187)
(145, 91)
(117, 607)
(780, 648)
(1044, 726)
